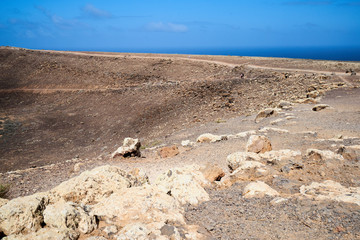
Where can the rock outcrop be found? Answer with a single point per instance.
(125, 202)
(330, 190)
(95, 185)
(23, 215)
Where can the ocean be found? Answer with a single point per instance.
(316, 53)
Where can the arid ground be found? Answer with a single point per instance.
(64, 109)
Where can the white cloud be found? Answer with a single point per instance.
(166, 27)
(92, 11)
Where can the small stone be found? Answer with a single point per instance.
(186, 143)
(320, 107)
(283, 104)
(277, 121)
(278, 200)
(210, 138)
(77, 167)
(268, 112)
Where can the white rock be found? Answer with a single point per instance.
(235, 160)
(248, 170)
(245, 134)
(269, 129)
(130, 147)
(280, 155)
(145, 204)
(69, 215)
(283, 104)
(258, 189)
(258, 144)
(278, 200)
(330, 190)
(330, 140)
(231, 136)
(324, 155)
(184, 184)
(92, 186)
(23, 214)
(277, 121)
(208, 137)
(186, 143)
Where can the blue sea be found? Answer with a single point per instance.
(318, 53)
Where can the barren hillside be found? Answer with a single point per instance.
(203, 176)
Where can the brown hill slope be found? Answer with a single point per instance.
(58, 105)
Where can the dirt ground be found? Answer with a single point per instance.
(64, 109)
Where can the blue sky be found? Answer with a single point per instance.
(154, 24)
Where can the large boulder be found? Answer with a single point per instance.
(330, 190)
(259, 189)
(145, 204)
(185, 184)
(92, 186)
(258, 144)
(68, 215)
(23, 214)
(130, 148)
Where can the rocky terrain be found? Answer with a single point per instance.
(219, 148)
